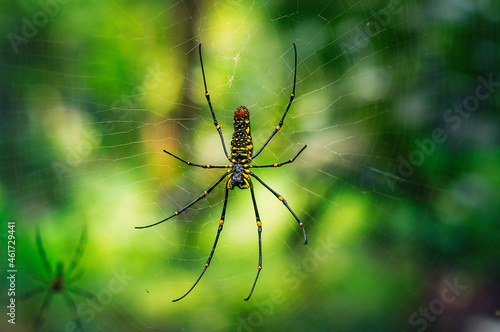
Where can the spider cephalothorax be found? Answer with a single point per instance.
(238, 176)
(238, 172)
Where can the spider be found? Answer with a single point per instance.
(239, 172)
(60, 283)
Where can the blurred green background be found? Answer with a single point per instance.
(398, 188)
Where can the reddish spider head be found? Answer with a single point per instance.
(241, 112)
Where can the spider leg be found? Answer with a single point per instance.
(31, 293)
(280, 164)
(197, 165)
(207, 263)
(75, 276)
(283, 200)
(176, 213)
(40, 318)
(42, 253)
(292, 95)
(71, 304)
(81, 292)
(79, 251)
(207, 95)
(259, 231)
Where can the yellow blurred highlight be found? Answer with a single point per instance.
(350, 218)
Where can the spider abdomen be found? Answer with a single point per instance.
(241, 144)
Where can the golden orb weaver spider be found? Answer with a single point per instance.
(238, 171)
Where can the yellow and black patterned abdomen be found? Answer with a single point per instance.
(241, 144)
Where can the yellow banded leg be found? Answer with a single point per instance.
(207, 263)
(259, 231)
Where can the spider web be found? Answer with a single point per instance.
(396, 188)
